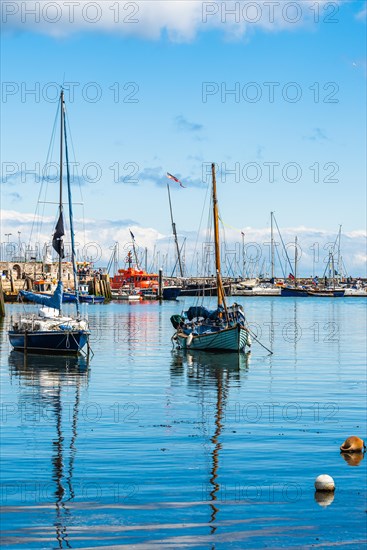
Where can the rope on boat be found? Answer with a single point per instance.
(258, 341)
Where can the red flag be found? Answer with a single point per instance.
(291, 276)
(171, 177)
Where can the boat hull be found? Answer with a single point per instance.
(285, 291)
(126, 297)
(171, 292)
(327, 294)
(61, 342)
(69, 297)
(230, 339)
(257, 292)
(91, 299)
(355, 293)
(10, 297)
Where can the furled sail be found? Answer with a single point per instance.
(54, 300)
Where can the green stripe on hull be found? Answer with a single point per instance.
(233, 339)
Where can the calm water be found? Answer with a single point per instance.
(151, 448)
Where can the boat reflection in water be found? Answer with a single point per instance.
(51, 385)
(216, 372)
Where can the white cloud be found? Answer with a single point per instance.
(180, 20)
(314, 243)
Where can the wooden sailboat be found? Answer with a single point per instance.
(220, 330)
(50, 331)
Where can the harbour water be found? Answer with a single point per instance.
(152, 448)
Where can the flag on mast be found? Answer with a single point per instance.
(171, 177)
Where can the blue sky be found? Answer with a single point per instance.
(164, 107)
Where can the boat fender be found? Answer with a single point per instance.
(249, 341)
(189, 340)
(176, 321)
(65, 327)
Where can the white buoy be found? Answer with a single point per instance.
(324, 483)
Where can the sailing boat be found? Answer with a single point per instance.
(328, 292)
(220, 330)
(294, 290)
(50, 331)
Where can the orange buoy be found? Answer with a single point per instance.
(353, 444)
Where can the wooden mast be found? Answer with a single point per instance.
(220, 290)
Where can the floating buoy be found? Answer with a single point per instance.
(353, 444)
(324, 483)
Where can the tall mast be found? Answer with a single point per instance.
(339, 258)
(220, 290)
(272, 244)
(135, 253)
(136, 256)
(243, 254)
(175, 233)
(61, 160)
(330, 264)
(71, 220)
(115, 258)
(295, 261)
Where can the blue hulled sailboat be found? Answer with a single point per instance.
(50, 331)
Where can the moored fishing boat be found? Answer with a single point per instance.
(222, 329)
